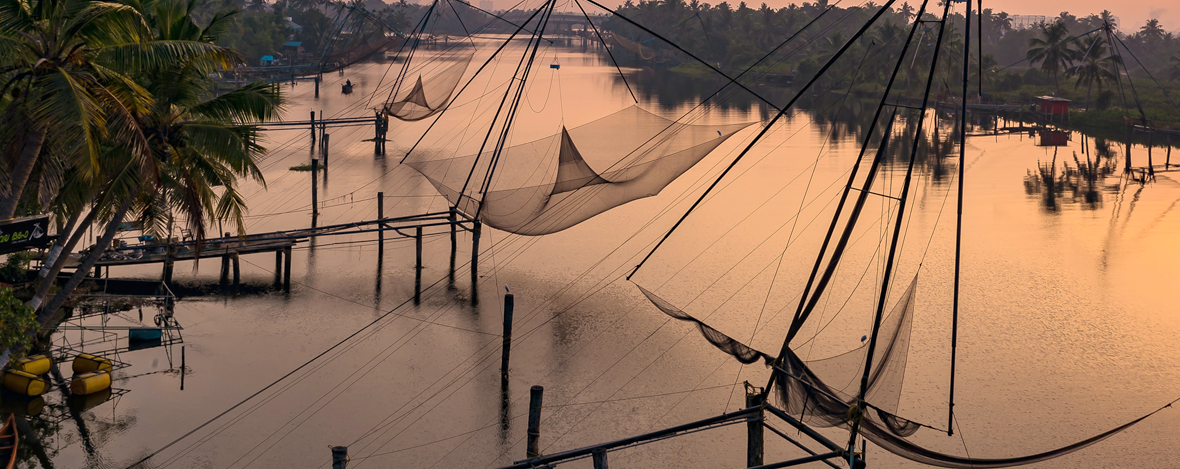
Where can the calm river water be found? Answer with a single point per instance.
(1068, 327)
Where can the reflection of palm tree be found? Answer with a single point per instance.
(1093, 67)
(1052, 50)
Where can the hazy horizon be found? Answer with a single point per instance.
(1132, 14)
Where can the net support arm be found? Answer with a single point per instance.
(897, 227)
(950, 424)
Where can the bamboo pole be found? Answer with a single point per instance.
(452, 217)
(534, 441)
(418, 264)
(476, 228)
(509, 306)
(754, 430)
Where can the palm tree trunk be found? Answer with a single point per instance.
(58, 245)
(1088, 88)
(21, 172)
(50, 276)
(48, 317)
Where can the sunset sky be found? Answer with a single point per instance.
(1132, 13)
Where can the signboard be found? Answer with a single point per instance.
(19, 234)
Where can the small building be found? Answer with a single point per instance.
(267, 60)
(1052, 105)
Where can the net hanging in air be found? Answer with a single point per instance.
(551, 184)
(803, 389)
(432, 85)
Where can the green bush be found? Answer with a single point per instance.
(18, 323)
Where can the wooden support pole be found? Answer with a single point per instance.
(237, 271)
(287, 269)
(168, 263)
(380, 227)
(534, 441)
(1150, 165)
(313, 127)
(476, 227)
(599, 456)
(223, 280)
(509, 306)
(378, 136)
(278, 267)
(317, 86)
(418, 264)
(325, 151)
(452, 217)
(754, 439)
(339, 457)
(315, 202)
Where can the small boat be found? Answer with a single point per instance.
(8, 442)
(346, 88)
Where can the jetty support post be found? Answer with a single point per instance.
(325, 152)
(1150, 165)
(223, 279)
(313, 127)
(235, 258)
(418, 264)
(315, 198)
(452, 218)
(476, 227)
(278, 267)
(380, 227)
(317, 85)
(287, 269)
(754, 429)
(339, 457)
(599, 456)
(169, 262)
(534, 441)
(509, 306)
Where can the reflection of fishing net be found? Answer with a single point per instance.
(431, 90)
(822, 392)
(550, 184)
(644, 52)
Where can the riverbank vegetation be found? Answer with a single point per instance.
(1124, 68)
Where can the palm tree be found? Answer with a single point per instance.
(1095, 65)
(200, 144)
(1174, 72)
(57, 83)
(1052, 50)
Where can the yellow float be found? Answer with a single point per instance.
(25, 383)
(90, 383)
(35, 365)
(85, 363)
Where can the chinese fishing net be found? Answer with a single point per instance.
(556, 182)
(822, 392)
(428, 86)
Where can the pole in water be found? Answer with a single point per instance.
(418, 264)
(325, 151)
(237, 272)
(278, 267)
(754, 430)
(182, 368)
(317, 86)
(315, 205)
(599, 456)
(534, 441)
(287, 269)
(477, 226)
(380, 228)
(509, 305)
(452, 218)
(313, 127)
(339, 457)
